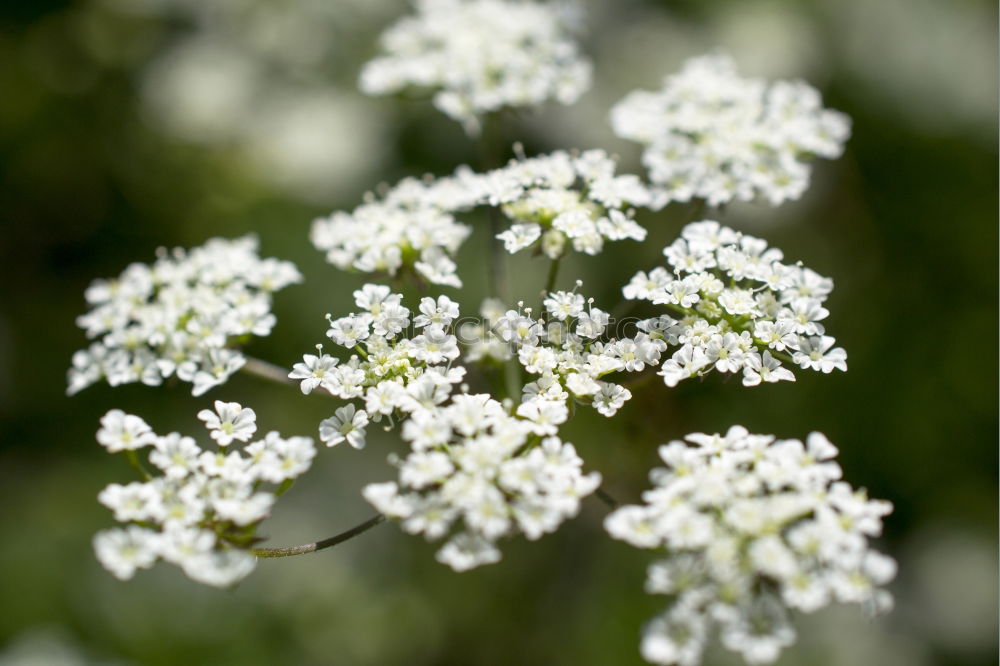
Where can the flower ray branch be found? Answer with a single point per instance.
(289, 551)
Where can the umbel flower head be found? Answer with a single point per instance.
(479, 56)
(751, 527)
(410, 227)
(714, 135)
(570, 356)
(398, 368)
(478, 473)
(567, 200)
(202, 509)
(738, 308)
(182, 316)
(554, 203)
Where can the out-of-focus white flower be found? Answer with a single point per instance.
(183, 315)
(479, 56)
(752, 526)
(202, 511)
(713, 135)
(553, 202)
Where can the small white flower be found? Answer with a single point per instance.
(347, 424)
(230, 421)
(816, 354)
(313, 371)
(175, 455)
(520, 236)
(441, 312)
(122, 551)
(120, 432)
(764, 368)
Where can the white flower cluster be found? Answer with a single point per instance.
(202, 511)
(563, 198)
(411, 227)
(181, 316)
(552, 201)
(741, 309)
(714, 135)
(564, 349)
(480, 56)
(484, 472)
(393, 371)
(753, 526)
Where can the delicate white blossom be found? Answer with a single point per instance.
(182, 316)
(201, 512)
(571, 356)
(564, 200)
(738, 308)
(479, 56)
(398, 367)
(120, 431)
(554, 202)
(229, 421)
(752, 527)
(714, 135)
(478, 474)
(345, 425)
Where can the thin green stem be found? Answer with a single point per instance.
(512, 379)
(550, 281)
(288, 551)
(606, 498)
(490, 147)
(498, 282)
(698, 210)
(133, 460)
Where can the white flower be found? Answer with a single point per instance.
(764, 368)
(129, 503)
(677, 637)
(122, 551)
(686, 362)
(313, 370)
(441, 312)
(230, 421)
(520, 236)
(610, 398)
(175, 455)
(220, 568)
(468, 551)
(435, 345)
(345, 425)
(816, 354)
(120, 431)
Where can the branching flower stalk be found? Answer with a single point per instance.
(749, 527)
(322, 544)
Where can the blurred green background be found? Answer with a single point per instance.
(130, 124)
